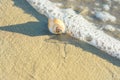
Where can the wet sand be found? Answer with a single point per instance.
(28, 51)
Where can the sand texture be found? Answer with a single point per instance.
(28, 51)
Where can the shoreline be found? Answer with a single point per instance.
(29, 51)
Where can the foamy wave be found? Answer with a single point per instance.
(79, 27)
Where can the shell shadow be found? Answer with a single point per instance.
(24, 5)
(31, 28)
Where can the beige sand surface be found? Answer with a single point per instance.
(29, 52)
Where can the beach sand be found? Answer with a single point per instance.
(28, 51)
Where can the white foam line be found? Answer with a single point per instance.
(79, 26)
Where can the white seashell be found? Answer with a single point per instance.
(56, 26)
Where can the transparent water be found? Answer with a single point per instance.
(87, 9)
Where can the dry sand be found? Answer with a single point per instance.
(29, 52)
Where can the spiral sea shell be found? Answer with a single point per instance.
(56, 26)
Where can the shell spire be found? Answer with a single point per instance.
(56, 26)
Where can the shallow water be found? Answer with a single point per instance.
(88, 7)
